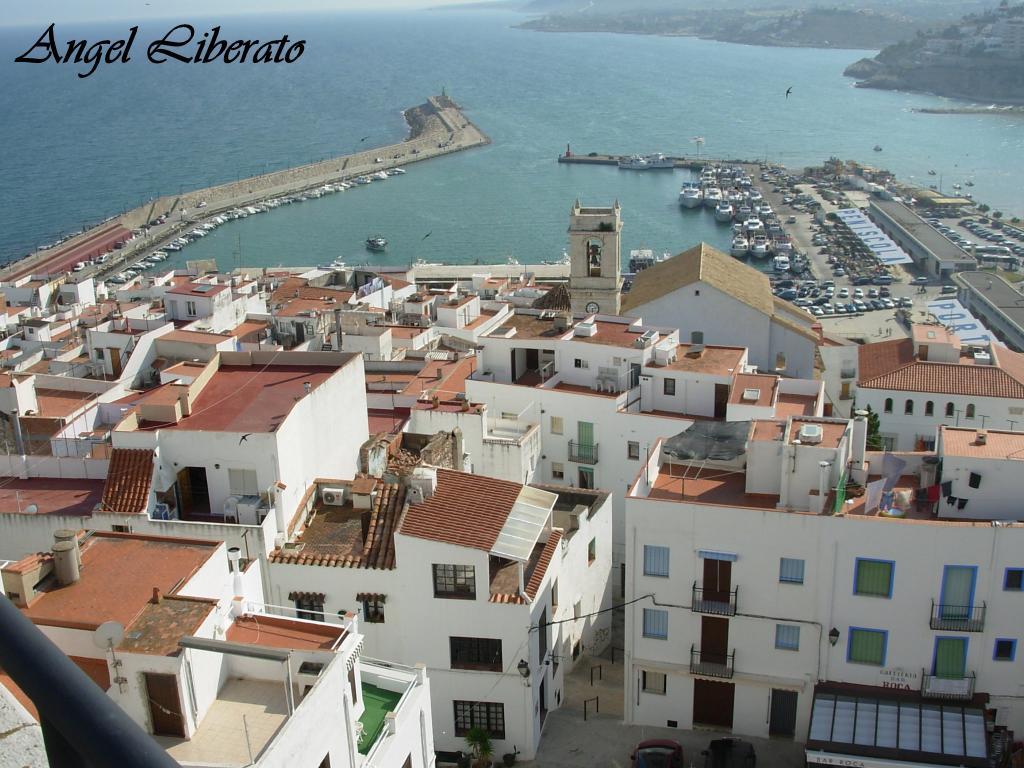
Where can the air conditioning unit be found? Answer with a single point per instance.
(333, 497)
(810, 434)
(291, 547)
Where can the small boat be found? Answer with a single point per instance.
(723, 212)
(173, 246)
(363, 179)
(376, 243)
(690, 196)
(969, 183)
(382, 175)
(395, 171)
(878, 147)
(781, 263)
(740, 246)
(646, 163)
(737, 228)
(759, 248)
(753, 225)
(931, 173)
(712, 197)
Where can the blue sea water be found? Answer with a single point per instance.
(76, 151)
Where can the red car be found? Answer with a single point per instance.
(657, 753)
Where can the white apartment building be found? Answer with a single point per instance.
(495, 586)
(774, 599)
(228, 450)
(605, 389)
(917, 384)
(176, 632)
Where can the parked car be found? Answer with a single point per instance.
(920, 280)
(729, 753)
(948, 289)
(657, 753)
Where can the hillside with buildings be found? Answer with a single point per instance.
(980, 58)
(810, 27)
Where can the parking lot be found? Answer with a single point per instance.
(846, 291)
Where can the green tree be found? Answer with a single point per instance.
(1015, 220)
(874, 439)
(479, 742)
(983, 207)
(997, 215)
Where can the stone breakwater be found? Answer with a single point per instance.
(436, 127)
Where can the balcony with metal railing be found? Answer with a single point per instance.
(711, 663)
(948, 688)
(582, 453)
(957, 618)
(713, 602)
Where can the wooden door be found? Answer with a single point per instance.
(115, 361)
(717, 580)
(714, 639)
(782, 720)
(185, 490)
(713, 703)
(164, 705)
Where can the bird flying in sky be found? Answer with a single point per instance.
(789, 91)
(427, 235)
(363, 139)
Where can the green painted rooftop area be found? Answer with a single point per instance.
(378, 703)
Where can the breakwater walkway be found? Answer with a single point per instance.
(437, 127)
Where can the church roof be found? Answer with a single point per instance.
(557, 298)
(705, 264)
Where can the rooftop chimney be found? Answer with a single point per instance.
(157, 598)
(306, 387)
(981, 438)
(66, 534)
(65, 563)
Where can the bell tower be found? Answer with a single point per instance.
(595, 280)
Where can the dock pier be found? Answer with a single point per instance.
(437, 127)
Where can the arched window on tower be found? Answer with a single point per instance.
(594, 258)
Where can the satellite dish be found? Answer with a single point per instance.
(31, 509)
(108, 634)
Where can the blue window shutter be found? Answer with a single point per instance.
(791, 570)
(655, 560)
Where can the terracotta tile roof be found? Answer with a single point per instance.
(465, 510)
(950, 379)
(535, 571)
(541, 567)
(129, 479)
(335, 538)
(883, 357)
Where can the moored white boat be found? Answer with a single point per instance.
(723, 212)
(690, 196)
(740, 246)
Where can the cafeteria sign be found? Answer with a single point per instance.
(903, 679)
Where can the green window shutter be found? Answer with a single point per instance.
(950, 657)
(867, 646)
(585, 433)
(874, 577)
(957, 590)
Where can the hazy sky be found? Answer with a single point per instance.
(16, 12)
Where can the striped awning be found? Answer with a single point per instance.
(371, 597)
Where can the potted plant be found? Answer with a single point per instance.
(509, 758)
(479, 742)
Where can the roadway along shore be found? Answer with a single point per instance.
(437, 127)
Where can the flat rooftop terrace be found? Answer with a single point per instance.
(250, 398)
(685, 483)
(50, 495)
(238, 725)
